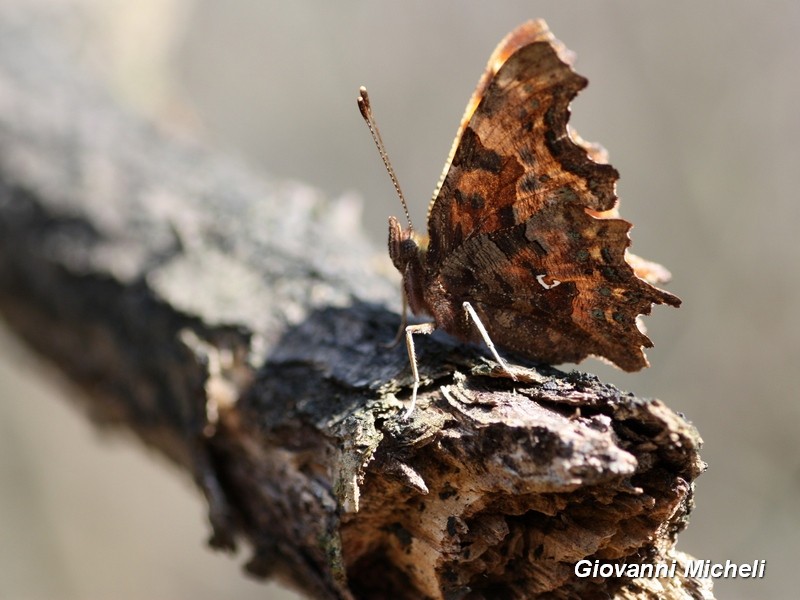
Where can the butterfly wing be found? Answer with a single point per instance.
(513, 154)
(523, 223)
(534, 302)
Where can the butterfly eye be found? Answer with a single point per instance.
(403, 248)
(409, 247)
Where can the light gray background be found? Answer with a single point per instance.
(697, 104)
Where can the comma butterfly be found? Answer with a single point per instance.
(525, 246)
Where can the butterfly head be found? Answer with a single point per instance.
(405, 246)
(408, 251)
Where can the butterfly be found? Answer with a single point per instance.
(525, 246)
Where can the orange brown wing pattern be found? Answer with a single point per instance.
(545, 293)
(524, 222)
(513, 153)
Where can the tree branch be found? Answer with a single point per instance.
(235, 324)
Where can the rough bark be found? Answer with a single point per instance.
(235, 324)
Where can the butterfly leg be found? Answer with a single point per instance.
(425, 329)
(487, 340)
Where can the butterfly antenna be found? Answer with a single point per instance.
(366, 112)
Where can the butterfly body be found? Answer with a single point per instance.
(423, 291)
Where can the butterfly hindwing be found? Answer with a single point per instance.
(548, 295)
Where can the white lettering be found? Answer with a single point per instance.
(583, 568)
(733, 567)
(644, 570)
(606, 570)
(665, 570)
(694, 568)
(701, 569)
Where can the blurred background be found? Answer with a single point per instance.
(697, 104)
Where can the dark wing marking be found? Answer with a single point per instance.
(556, 289)
(513, 154)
